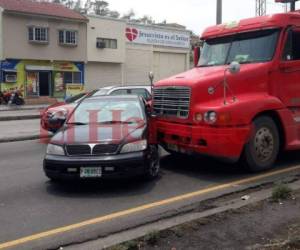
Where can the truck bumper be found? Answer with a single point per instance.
(220, 142)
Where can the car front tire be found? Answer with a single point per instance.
(153, 164)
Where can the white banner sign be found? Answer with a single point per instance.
(157, 37)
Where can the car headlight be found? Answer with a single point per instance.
(134, 146)
(55, 150)
(210, 117)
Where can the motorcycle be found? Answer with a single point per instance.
(4, 97)
(16, 98)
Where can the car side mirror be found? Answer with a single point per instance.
(234, 67)
(57, 120)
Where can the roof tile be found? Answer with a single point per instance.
(41, 8)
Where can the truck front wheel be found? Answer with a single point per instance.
(261, 151)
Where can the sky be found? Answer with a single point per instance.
(194, 14)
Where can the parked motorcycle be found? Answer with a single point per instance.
(5, 97)
(16, 98)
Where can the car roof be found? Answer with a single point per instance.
(113, 97)
(148, 87)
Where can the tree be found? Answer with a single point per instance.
(114, 14)
(146, 20)
(77, 6)
(87, 7)
(129, 15)
(100, 8)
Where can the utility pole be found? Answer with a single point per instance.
(292, 3)
(219, 11)
(261, 7)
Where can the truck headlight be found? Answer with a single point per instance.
(134, 146)
(53, 149)
(210, 117)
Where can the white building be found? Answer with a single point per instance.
(121, 53)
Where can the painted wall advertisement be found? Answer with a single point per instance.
(136, 34)
(28, 81)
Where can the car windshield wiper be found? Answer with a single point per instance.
(116, 122)
(76, 123)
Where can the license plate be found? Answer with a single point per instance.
(90, 172)
(173, 147)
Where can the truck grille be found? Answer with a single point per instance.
(86, 149)
(172, 101)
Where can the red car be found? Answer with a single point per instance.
(52, 114)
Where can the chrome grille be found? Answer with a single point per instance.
(172, 101)
(91, 149)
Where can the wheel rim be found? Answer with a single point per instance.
(264, 144)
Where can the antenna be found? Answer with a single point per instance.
(261, 7)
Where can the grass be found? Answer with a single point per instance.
(151, 238)
(281, 192)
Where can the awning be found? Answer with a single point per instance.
(38, 68)
(9, 70)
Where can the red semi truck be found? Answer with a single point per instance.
(241, 101)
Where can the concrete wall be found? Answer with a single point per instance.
(17, 46)
(100, 27)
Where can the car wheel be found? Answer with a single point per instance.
(261, 151)
(153, 166)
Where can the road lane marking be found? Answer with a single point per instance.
(142, 208)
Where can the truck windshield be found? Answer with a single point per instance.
(250, 47)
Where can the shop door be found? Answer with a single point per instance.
(44, 83)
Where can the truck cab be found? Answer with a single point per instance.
(241, 101)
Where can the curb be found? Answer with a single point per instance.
(23, 138)
(114, 239)
(23, 117)
(21, 109)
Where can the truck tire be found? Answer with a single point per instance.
(262, 149)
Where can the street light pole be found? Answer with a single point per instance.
(219, 11)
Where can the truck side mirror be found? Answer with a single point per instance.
(196, 55)
(234, 67)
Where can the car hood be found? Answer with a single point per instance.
(108, 133)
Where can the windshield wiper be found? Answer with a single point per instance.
(76, 123)
(116, 122)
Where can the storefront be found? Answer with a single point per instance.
(41, 78)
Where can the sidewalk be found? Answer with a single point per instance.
(22, 107)
(20, 130)
(22, 114)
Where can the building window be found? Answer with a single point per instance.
(38, 34)
(67, 37)
(107, 43)
(71, 77)
(9, 77)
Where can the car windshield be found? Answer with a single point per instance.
(244, 48)
(100, 92)
(75, 98)
(107, 110)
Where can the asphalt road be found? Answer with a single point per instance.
(30, 204)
